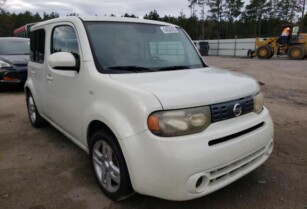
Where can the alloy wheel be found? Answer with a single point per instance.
(106, 166)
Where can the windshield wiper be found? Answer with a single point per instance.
(178, 67)
(130, 68)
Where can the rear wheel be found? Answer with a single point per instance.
(296, 52)
(34, 116)
(264, 52)
(109, 166)
(272, 52)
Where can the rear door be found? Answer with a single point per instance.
(37, 68)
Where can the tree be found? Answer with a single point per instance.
(232, 10)
(302, 6)
(52, 15)
(286, 10)
(2, 3)
(132, 15)
(153, 15)
(192, 5)
(254, 12)
(216, 12)
(73, 14)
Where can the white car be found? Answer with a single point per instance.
(137, 96)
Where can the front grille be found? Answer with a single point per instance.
(221, 174)
(224, 111)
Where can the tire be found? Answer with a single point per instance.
(250, 53)
(34, 116)
(296, 52)
(264, 52)
(109, 166)
(272, 53)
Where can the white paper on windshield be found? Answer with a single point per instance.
(169, 29)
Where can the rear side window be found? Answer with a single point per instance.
(64, 39)
(37, 46)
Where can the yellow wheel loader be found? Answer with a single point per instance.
(295, 47)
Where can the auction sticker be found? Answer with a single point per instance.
(169, 29)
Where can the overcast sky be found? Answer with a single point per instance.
(101, 7)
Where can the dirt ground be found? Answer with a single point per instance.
(40, 168)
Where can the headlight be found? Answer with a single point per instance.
(179, 122)
(4, 64)
(258, 102)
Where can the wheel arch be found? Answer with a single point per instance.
(27, 90)
(97, 125)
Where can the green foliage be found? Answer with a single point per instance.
(52, 15)
(153, 15)
(73, 14)
(232, 9)
(132, 15)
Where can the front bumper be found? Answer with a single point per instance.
(11, 77)
(186, 167)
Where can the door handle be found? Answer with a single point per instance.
(49, 78)
(32, 72)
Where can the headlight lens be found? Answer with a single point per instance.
(179, 122)
(4, 64)
(258, 102)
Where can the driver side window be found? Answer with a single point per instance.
(64, 39)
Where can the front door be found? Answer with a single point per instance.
(65, 86)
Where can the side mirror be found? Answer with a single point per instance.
(63, 61)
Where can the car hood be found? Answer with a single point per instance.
(16, 59)
(191, 88)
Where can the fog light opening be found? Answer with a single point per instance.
(199, 181)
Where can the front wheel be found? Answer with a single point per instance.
(109, 166)
(264, 52)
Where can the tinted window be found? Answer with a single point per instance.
(14, 46)
(64, 39)
(37, 46)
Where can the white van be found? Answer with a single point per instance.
(137, 96)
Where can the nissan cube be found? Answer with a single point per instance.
(137, 97)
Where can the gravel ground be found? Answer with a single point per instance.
(40, 168)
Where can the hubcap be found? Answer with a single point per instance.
(263, 52)
(296, 53)
(106, 166)
(31, 109)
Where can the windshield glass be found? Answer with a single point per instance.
(14, 47)
(134, 47)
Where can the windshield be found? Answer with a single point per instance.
(14, 47)
(134, 47)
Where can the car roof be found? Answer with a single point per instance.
(100, 19)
